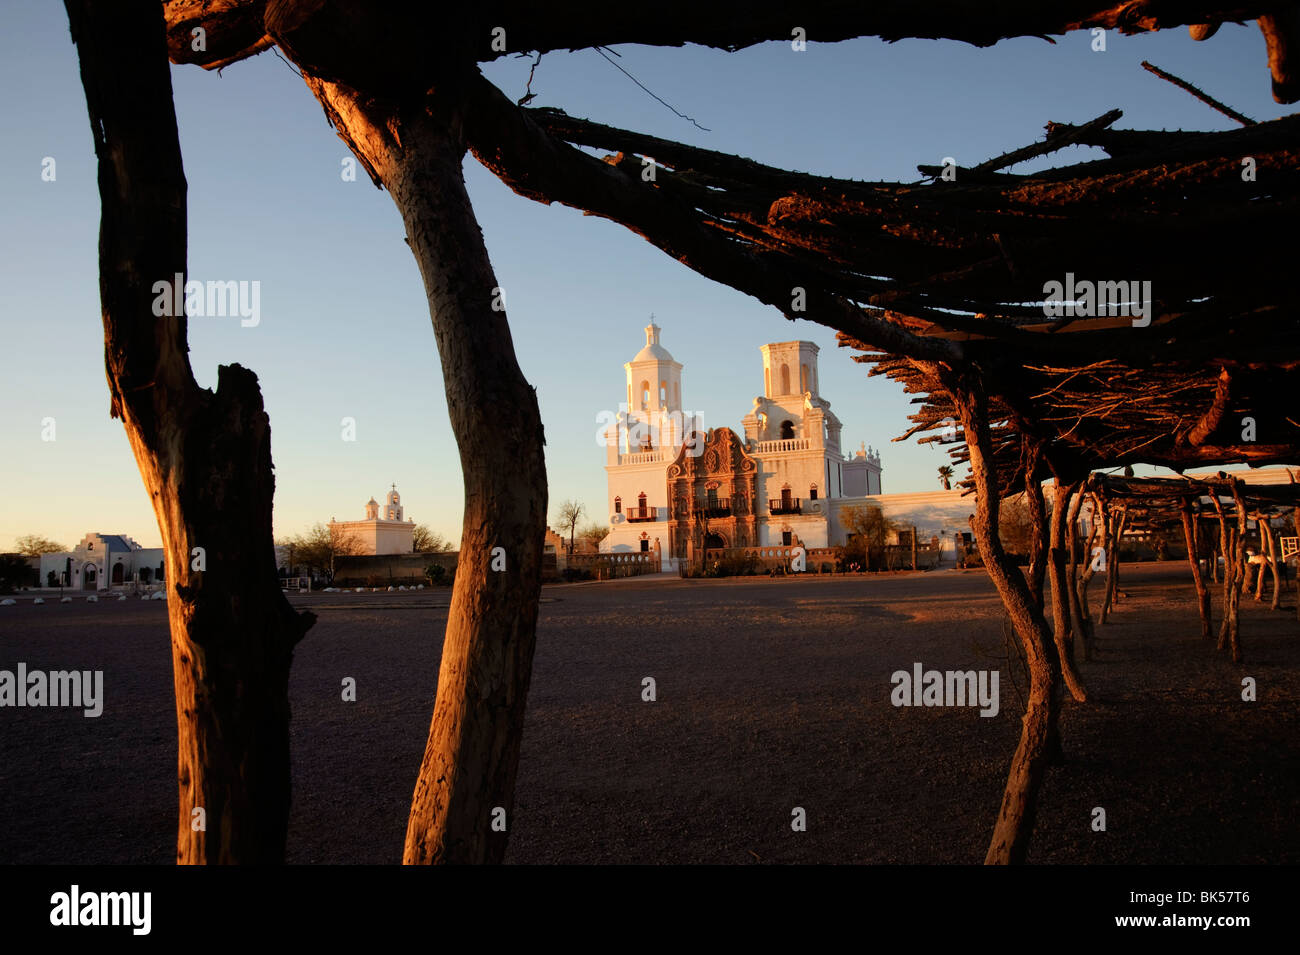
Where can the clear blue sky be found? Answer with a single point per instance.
(345, 329)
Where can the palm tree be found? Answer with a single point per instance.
(945, 476)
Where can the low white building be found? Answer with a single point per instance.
(103, 562)
(386, 532)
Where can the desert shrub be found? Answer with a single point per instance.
(440, 576)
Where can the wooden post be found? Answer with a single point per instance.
(1202, 592)
(1096, 532)
(1234, 640)
(1274, 556)
(1038, 537)
(1072, 573)
(204, 457)
(416, 150)
(1061, 633)
(1116, 532)
(1015, 820)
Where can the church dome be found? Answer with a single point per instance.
(652, 351)
(655, 352)
(372, 501)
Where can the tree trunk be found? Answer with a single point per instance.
(1273, 555)
(1213, 561)
(1193, 557)
(205, 459)
(1228, 541)
(1038, 530)
(1072, 570)
(1096, 531)
(1015, 822)
(1060, 601)
(1234, 640)
(1114, 535)
(464, 798)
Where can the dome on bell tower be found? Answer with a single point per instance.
(654, 379)
(653, 351)
(393, 505)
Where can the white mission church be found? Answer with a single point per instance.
(783, 480)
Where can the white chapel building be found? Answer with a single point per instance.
(674, 485)
(385, 530)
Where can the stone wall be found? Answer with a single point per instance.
(394, 569)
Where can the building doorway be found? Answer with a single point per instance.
(714, 541)
(88, 577)
(117, 573)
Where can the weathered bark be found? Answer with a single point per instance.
(1274, 554)
(472, 755)
(1215, 548)
(1115, 533)
(1038, 530)
(1234, 639)
(205, 459)
(1015, 822)
(1061, 631)
(236, 29)
(1072, 570)
(1194, 558)
(1233, 552)
(1096, 532)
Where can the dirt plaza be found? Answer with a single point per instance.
(770, 696)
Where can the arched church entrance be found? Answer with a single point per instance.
(88, 577)
(713, 541)
(117, 573)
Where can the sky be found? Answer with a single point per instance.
(344, 329)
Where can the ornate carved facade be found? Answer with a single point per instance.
(713, 496)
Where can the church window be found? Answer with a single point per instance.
(787, 430)
(812, 493)
(645, 546)
(645, 395)
(785, 538)
(618, 505)
(785, 379)
(663, 393)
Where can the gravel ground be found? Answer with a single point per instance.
(771, 695)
